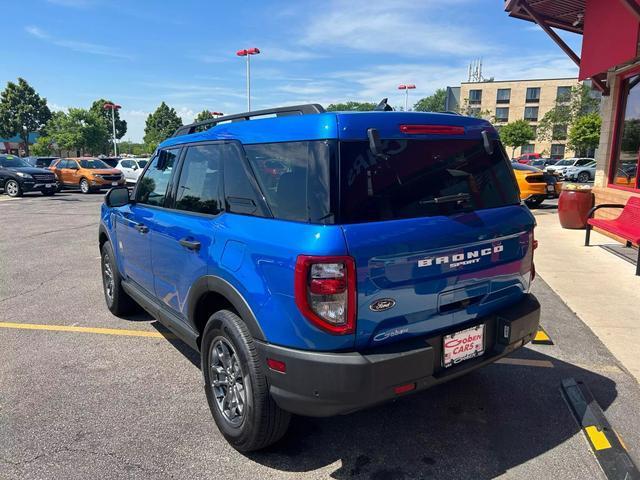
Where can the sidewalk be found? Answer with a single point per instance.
(599, 287)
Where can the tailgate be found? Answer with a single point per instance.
(418, 276)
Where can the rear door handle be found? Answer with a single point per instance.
(190, 244)
(141, 228)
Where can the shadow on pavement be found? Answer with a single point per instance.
(478, 426)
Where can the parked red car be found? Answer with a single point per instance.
(527, 157)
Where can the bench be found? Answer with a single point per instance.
(626, 226)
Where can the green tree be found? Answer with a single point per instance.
(584, 134)
(160, 125)
(432, 103)
(351, 106)
(97, 109)
(474, 111)
(516, 134)
(578, 103)
(78, 129)
(22, 111)
(43, 147)
(137, 149)
(202, 116)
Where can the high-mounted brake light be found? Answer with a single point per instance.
(325, 292)
(431, 130)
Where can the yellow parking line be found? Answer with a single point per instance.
(68, 328)
(597, 437)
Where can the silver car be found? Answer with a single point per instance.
(561, 167)
(583, 173)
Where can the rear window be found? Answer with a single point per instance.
(414, 175)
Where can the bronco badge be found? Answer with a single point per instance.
(382, 304)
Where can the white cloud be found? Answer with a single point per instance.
(75, 45)
(394, 27)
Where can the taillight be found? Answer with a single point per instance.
(325, 292)
(432, 130)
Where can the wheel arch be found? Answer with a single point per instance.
(210, 294)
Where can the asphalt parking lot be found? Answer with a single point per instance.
(91, 403)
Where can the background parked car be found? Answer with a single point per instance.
(111, 161)
(581, 173)
(131, 168)
(561, 167)
(543, 162)
(536, 185)
(86, 173)
(18, 176)
(527, 157)
(41, 162)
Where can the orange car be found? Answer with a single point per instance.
(536, 185)
(86, 173)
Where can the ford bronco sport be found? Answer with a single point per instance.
(387, 253)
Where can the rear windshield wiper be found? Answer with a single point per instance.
(458, 198)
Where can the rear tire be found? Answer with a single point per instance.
(84, 186)
(584, 177)
(232, 373)
(118, 301)
(13, 188)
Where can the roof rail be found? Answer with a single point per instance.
(240, 117)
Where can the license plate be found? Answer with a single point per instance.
(462, 345)
(48, 185)
(551, 188)
(114, 184)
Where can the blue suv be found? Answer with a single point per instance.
(325, 262)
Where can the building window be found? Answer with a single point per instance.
(624, 164)
(475, 97)
(502, 114)
(530, 148)
(531, 114)
(503, 95)
(533, 95)
(559, 132)
(557, 150)
(563, 95)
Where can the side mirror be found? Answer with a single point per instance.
(117, 197)
(135, 167)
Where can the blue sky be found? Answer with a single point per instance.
(139, 53)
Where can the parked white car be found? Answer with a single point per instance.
(560, 168)
(582, 174)
(131, 168)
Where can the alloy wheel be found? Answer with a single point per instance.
(109, 283)
(12, 188)
(227, 381)
(84, 186)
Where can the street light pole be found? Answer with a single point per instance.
(247, 52)
(113, 107)
(406, 88)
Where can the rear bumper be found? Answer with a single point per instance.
(322, 384)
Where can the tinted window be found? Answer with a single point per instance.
(414, 173)
(127, 164)
(93, 164)
(198, 189)
(13, 162)
(241, 193)
(152, 187)
(533, 94)
(294, 177)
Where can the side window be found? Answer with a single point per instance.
(127, 164)
(152, 187)
(60, 164)
(199, 185)
(241, 195)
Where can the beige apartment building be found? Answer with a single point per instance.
(509, 100)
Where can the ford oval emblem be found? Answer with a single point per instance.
(382, 304)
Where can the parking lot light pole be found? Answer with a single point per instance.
(113, 107)
(247, 53)
(406, 88)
